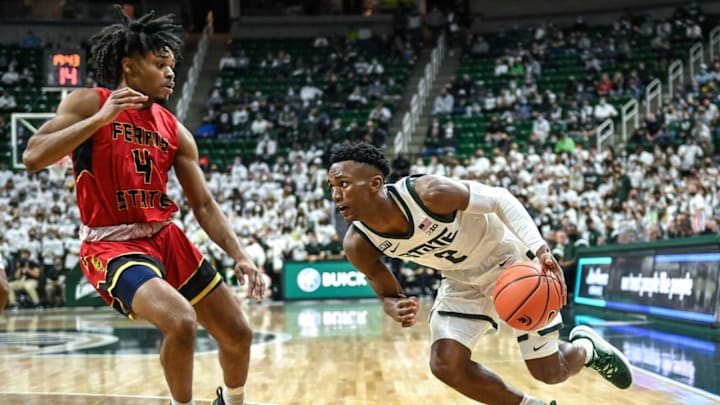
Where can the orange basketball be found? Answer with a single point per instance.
(526, 297)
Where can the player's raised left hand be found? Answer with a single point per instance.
(548, 263)
(256, 284)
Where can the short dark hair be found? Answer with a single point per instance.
(364, 153)
(129, 38)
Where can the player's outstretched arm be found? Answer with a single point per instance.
(443, 196)
(208, 212)
(366, 258)
(78, 117)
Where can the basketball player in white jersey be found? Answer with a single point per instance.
(469, 232)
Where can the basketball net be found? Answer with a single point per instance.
(59, 170)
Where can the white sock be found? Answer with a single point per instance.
(589, 348)
(233, 396)
(174, 402)
(528, 400)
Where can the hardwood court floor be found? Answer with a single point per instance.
(304, 353)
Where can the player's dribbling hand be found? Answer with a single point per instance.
(256, 284)
(548, 263)
(403, 310)
(120, 100)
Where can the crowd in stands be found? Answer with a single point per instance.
(319, 92)
(534, 85)
(664, 184)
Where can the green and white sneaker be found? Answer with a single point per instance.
(606, 359)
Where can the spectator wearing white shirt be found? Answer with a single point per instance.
(7, 101)
(603, 110)
(260, 125)
(228, 61)
(435, 166)
(309, 92)
(697, 206)
(479, 164)
(287, 117)
(266, 146)
(418, 167)
(689, 154)
(693, 31)
(375, 68)
(700, 131)
(711, 111)
(541, 127)
(320, 42)
(11, 77)
(501, 67)
(444, 103)
(356, 98)
(381, 115)
(240, 116)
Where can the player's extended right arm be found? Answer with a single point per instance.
(366, 258)
(78, 117)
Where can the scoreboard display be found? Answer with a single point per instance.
(670, 284)
(64, 68)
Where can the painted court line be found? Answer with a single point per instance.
(120, 396)
(690, 388)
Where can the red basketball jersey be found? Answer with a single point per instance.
(121, 172)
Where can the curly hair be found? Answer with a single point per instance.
(130, 38)
(364, 153)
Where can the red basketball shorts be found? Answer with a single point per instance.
(169, 253)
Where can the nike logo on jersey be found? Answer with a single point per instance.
(536, 348)
(503, 262)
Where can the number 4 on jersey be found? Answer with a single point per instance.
(143, 163)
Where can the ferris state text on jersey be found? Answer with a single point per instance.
(139, 136)
(140, 198)
(121, 172)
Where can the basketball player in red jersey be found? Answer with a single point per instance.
(469, 232)
(123, 146)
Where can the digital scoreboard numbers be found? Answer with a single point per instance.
(673, 285)
(65, 68)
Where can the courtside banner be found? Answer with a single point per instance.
(672, 283)
(324, 279)
(79, 293)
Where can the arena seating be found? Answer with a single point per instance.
(561, 60)
(308, 65)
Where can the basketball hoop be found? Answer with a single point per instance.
(59, 170)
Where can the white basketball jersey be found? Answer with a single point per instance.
(462, 246)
